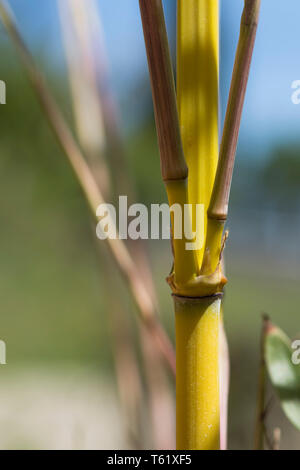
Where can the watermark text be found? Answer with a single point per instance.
(296, 93)
(296, 353)
(2, 92)
(185, 221)
(2, 353)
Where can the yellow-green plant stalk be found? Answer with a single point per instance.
(197, 379)
(198, 320)
(198, 43)
(196, 279)
(197, 291)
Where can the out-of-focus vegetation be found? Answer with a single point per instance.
(50, 281)
(53, 306)
(281, 176)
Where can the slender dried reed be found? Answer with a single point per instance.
(88, 70)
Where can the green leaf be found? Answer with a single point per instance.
(283, 373)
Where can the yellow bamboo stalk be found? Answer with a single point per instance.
(198, 321)
(197, 281)
(197, 377)
(197, 291)
(197, 96)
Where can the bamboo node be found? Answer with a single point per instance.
(194, 300)
(204, 285)
(208, 283)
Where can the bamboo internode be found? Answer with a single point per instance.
(197, 373)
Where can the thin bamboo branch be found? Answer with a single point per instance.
(90, 189)
(218, 208)
(173, 166)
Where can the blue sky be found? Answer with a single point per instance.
(269, 114)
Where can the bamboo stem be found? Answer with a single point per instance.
(197, 379)
(196, 305)
(198, 321)
(197, 282)
(123, 259)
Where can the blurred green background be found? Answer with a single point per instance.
(53, 305)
